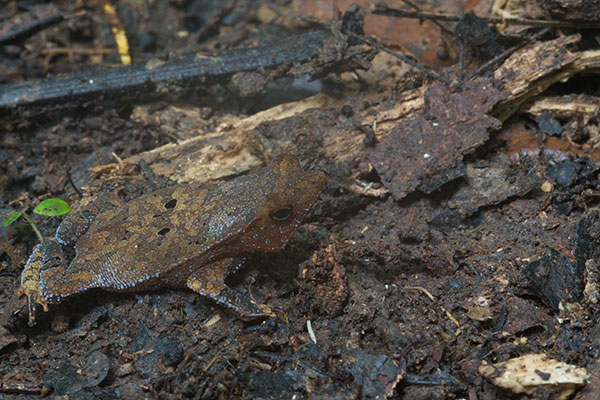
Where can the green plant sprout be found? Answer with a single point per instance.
(52, 207)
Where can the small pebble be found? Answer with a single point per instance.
(546, 187)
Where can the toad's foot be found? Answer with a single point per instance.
(45, 255)
(209, 281)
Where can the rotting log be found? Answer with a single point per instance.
(241, 148)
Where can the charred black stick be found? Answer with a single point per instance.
(25, 25)
(313, 47)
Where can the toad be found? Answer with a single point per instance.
(175, 237)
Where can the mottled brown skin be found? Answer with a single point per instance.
(175, 237)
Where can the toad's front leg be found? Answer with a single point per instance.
(209, 281)
(46, 255)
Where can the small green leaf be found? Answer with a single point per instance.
(11, 217)
(52, 207)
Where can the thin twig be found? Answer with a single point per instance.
(405, 59)
(73, 183)
(77, 50)
(418, 9)
(395, 12)
(461, 56)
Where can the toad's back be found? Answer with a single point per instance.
(160, 238)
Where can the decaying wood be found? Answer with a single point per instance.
(231, 148)
(229, 151)
(573, 10)
(529, 73)
(569, 106)
(313, 53)
(425, 151)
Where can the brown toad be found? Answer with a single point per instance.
(175, 237)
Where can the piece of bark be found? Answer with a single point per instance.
(426, 151)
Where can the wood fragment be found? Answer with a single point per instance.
(505, 54)
(529, 72)
(228, 150)
(569, 106)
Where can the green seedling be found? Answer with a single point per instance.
(11, 217)
(52, 207)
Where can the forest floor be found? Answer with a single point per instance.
(457, 229)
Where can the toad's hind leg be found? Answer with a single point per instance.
(209, 281)
(46, 255)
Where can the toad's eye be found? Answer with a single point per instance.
(281, 214)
